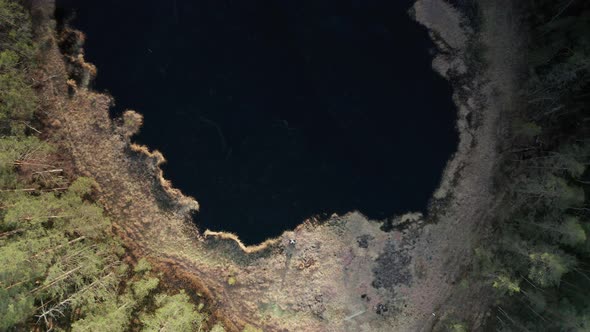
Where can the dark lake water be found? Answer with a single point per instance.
(272, 111)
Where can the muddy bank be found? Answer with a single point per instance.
(480, 53)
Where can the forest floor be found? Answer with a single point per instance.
(342, 274)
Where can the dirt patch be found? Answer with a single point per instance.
(342, 274)
(392, 267)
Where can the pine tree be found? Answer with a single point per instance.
(174, 313)
(548, 267)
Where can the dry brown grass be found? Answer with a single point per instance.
(225, 236)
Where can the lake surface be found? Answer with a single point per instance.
(273, 111)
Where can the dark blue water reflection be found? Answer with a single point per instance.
(271, 111)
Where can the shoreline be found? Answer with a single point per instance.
(485, 96)
(319, 284)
